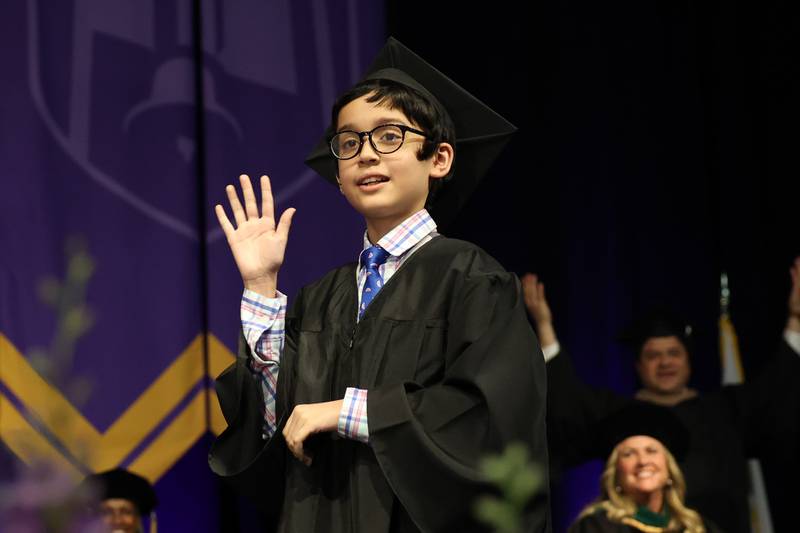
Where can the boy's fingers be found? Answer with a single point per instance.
(301, 454)
(291, 443)
(236, 206)
(296, 449)
(287, 429)
(267, 204)
(225, 224)
(295, 433)
(249, 197)
(291, 430)
(285, 223)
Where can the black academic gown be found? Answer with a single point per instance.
(454, 372)
(600, 523)
(726, 427)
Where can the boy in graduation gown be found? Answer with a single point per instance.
(368, 405)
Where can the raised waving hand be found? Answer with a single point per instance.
(256, 241)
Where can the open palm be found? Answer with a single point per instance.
(257, 243)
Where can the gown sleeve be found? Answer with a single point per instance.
(766, 407)
(252, 465)
(597, 523)
(575, 411)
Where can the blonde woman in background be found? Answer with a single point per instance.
(642, 487)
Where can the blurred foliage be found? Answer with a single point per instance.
(73, 316)
(517, 479)
(42, 497)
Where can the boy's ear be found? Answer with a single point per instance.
(442, 160)
(339, 183)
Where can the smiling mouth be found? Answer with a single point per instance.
(371, 180)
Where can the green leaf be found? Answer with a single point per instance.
(81, 267)
(498, 514)
(524, 485)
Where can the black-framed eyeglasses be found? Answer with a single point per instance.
(384, 139)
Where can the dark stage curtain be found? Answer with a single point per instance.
(657, 148)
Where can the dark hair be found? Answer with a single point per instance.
(423, 112)
(660, 320)
(684, 339)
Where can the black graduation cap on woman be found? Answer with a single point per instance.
(643, 418)
(481, 133)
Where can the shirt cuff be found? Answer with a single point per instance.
(263, 321)
(792, 339)
(353, 416)
(550, 351)
(259, 309)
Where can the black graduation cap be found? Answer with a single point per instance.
(643, 418)
(481, 133)
(120, 483)
(660, 321)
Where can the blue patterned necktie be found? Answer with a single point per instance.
(371, 258)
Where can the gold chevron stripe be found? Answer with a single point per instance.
(156, 402)
(174, 441)
(45, 401)
(75, 432)
(108, 449)
(27, 443)
(219, 358)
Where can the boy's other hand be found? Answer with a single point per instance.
(306, 420)
(257, 243)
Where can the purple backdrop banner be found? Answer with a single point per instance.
(121, 122)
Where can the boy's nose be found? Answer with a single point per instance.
(367, 151)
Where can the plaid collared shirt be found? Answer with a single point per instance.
(263, 322)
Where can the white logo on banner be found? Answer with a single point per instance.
(257, 47)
